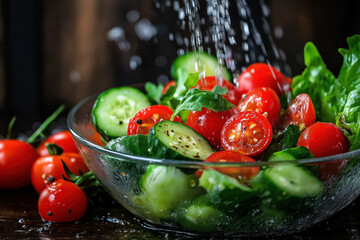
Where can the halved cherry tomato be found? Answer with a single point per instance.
(63, 139)
(240, 173)
(146, 118)
(16, 159)
(263, 75)
(325, 139)
(209, 124)
(248, 133)
(262, 100)
(166, 87)
(48, 169)
(62, 201)
(300, 111)
(209, 82)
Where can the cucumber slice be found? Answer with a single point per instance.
(291, 154)
(115, 107)
(165, 188)
(287, 180)
(188, 61)
(175, 140)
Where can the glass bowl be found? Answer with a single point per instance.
(171, 197)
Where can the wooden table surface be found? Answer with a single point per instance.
(19, 219)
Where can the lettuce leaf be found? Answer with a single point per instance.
(320, 84)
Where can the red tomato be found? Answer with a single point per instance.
(63, 139)
(62, 201)
(325, 139)
(146, 118)
(166, 87)
(209, 124)
(16, 159)
(262, 100)
(248, 133)
(240, 173)
(48, 169)
(233, 95)
(300, 111)
(263, 75)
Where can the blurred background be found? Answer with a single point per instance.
(56, 52)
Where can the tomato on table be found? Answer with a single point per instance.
(263, 100)
(63, 139)
(146, 118)
(166, 87)
(248, 133)
(48, 169)
(16, 159)
(263, 75)
(209, 82)
(62, 201)
(325, 139)
(240, 173)
(209, 124)
(300, 112)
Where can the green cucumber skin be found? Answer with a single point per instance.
(291, 154)
(112, 130)
(159, 149)
(268, 187)
(186, 61)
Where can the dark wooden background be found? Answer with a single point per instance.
(56, 52)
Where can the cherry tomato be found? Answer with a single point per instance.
(48, 169)
(300, 111)
(325, 139)
(262, 100)
(63, 139)
(62, 201)
(146, 118)
(209, 124)
(240, 173)
(248, 133)
(263, 75)
(209, 82)
(16, 159)
(166, 87)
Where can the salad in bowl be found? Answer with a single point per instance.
(261, 154)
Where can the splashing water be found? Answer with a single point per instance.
(236, 32)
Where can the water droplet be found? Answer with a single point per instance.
(145, 30)
(132, 16)
(135, 62)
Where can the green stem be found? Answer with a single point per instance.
(11, 124)
(45, 124)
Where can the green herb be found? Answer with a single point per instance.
(154, 91)
(196, 99)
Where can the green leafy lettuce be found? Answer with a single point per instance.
(336, 100)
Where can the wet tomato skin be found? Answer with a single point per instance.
(209, 124)
(63, 139)
(16, 159)
(146, 118)
(325, 139)
(263, 100)
(240, 173)
(62, 201)
(300, 111)
(248, 133)
(263, 75)
(48, 169)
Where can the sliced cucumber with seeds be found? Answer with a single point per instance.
(188, 62)
(115, 107)
(288, 180)
(291, 154)
(175, 140)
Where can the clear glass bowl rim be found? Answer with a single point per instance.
(187, 163)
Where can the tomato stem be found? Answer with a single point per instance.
(11, 124)
(45, 124)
